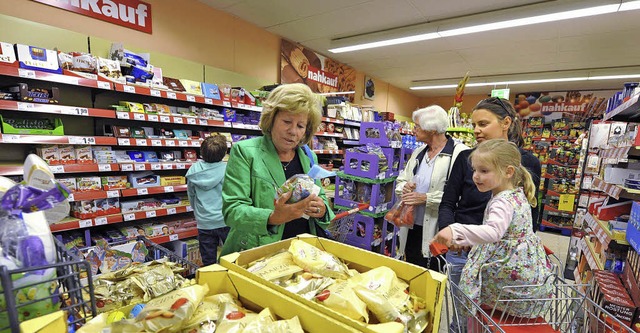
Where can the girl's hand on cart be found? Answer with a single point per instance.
(444, 237)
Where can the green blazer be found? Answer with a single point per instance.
(253, 174)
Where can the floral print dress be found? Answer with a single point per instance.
(518, 259)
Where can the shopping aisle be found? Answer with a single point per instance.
(558, 243)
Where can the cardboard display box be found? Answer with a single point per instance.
(427, 284)
(256, 297)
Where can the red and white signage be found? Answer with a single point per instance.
(132, 14)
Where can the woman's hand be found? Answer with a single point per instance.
(408, 187)
(316, 207)
(284, 212)
(444, 237)
(414, 198)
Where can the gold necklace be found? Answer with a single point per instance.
(286, 165)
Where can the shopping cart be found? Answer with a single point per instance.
(342, 224)
(158, 252)
(565, 309)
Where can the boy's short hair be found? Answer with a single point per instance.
(213, 148)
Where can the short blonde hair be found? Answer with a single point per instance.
(296, 98)
(432, 118)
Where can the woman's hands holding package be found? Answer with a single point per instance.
(410, 197)
(284, 212)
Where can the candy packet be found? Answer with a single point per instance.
(300, 185)
(341, 297)
(168, 313)
(278, 267)
(314, 260)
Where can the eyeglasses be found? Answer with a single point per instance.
(493, 100)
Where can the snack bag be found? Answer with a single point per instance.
(301, 185)
(207, 313)
(277, 267)
(341, 297)
(314, 260)
(306, 284)
(168, 313)
(233, 318)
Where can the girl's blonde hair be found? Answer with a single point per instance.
(296, 98)
(501, 154)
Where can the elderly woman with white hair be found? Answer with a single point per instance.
(422, 181)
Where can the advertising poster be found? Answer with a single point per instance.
(575, 105)
(323, 75)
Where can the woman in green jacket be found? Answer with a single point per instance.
(257, 167)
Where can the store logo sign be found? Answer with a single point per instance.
(563, 107)
(132, 14)
(323, 77)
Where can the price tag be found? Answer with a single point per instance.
(165, 119)
(150, 213)
(80, 140)
(100, 220)
(178, 120)
(167, 166)
(113, 194)
(122, 115)
(171, 211)
(104, 167)
(155, 93)
(141, 142)
(156, 166)
(129, 217)
(56, 168)
(139, 116)
(156, 143)
(171, 94)
(240, 105)
(129, 89)
(189, 209)
(104, 85)
(26, 106)
(181, 166)
(170, 143)
(152, 117)
(227, 104)
(70, 197)
(227, 124)
(10, 138)
(183, 143)
(142, 191)
(81, 111)
(126, 167)
(203, 122)
(85, 223)
(141, 166)
(26, 73)
(191, 98)
(208, 101)
(168, 189)
(191, 121)
(124, 142)
(173, 237)
(195, 143)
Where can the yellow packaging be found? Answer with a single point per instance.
(133, 106)
(53, 322)
(426, 284)
(172, 180)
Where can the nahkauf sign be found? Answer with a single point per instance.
(132, 14)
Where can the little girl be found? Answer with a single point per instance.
(506, 251)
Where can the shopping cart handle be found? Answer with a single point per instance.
(437, 249)
(547, 250)
(351, 211)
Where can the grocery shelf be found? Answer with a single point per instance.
(554, 162)
(590, 253)
(328, 151)
(155, 166)
(62, 139)
(158, 142)
(246, 126)
(92, 195)
(70, 79)
(556, 210)
(72, 223)
(334, 135)
(625, 111)
(174, 237)
(615, 191)
(333, 120)
(164, 118)
(351, 142)
(460, 129)
(602, 232)
(55, 109)
(140, 215)
(352, 123)
(130, 192)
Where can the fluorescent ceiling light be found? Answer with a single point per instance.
(501, 19)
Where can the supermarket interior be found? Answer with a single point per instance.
(310, 166)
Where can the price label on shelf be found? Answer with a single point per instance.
(85, 223)
(129, 217)
(181, 166)
(173, 237)
(168, 189)
(10, 138)
(156, 143)
(150, 213)
(113, 194)
(152, 117)
(171, 211)
(141, 142)
(122, 115)
(124, 142)
(141, 167)
(104, 167)
(129, 89)
(227, 123)
(156, 166)
(81, 111)
(195, 143)
(26, 73)
(191, 121)
(155, 93)
(178, 120)
(142, 191)
(81, 140)
(70, 197)
(227, 104)
(183, 143)
(203, 122)
(170, 143)
(191, 98)
(26, 106)
(171, 94)
(126, 167)
(208, 101)
(56, 168)
(189, 209)
(167, 166)
(104, 85)
(100, 220)
(165, 119)
(139, 116)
